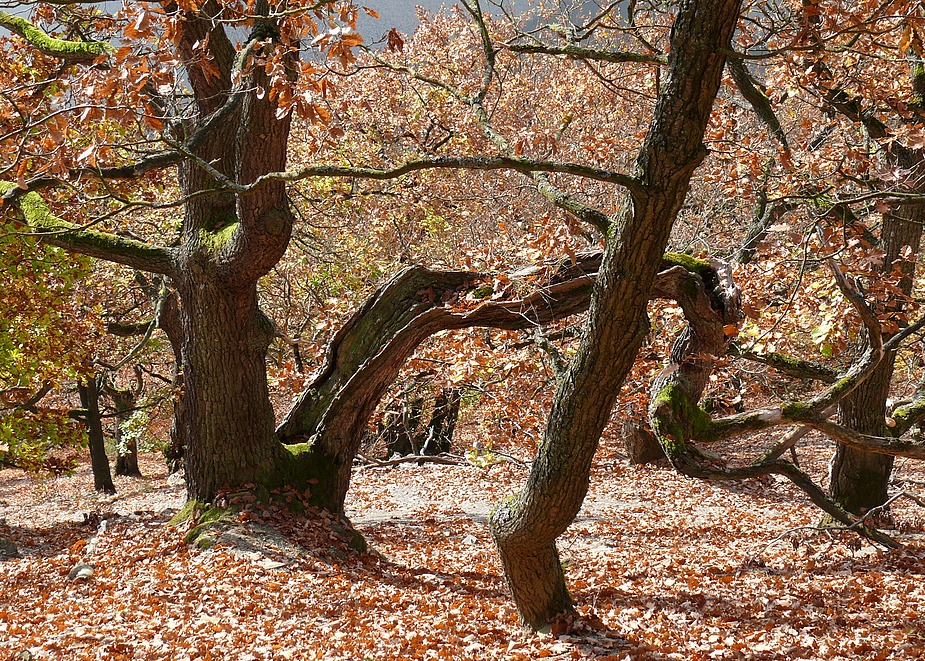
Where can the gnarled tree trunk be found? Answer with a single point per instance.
(325, 427)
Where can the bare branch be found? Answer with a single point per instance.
(752, 92)
(795, 367)
(525, 165)
(583, 53)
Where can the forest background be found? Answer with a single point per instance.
(793, 253)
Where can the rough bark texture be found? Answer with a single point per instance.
(90, 402)
(228, 242)
(525, 527)
(709, 305)
(859, 479)
(226, 406)
(326, 425)
(642, 447)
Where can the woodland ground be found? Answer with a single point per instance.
(663, 567)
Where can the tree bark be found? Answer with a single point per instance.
(226, 406)
(169, 322)
(525, 527)
(126, 451)
(438, 435)
(89, 392)
(858, 480)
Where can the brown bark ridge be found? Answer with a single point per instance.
(525, 527)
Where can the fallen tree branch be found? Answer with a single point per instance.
(419, 459)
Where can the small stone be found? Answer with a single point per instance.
(471, 540)
(8, 550)
(80, 572)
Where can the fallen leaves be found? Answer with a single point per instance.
(659, 565)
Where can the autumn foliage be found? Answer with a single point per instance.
(279, 242)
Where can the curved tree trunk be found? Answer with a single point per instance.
(525, 527)
(325, 427)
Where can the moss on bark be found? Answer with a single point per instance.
(699, 266)
(67, 50)
(676, 419)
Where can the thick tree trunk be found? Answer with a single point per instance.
(858, 479)
(525, 527)
(90, 402)
(226, 406)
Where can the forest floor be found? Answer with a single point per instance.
(660, 566)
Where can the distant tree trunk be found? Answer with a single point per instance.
(859, 479)
(89, 392)
(169, 322)
(526, 526)
(642, 447)
(438, 436)
(126, 451)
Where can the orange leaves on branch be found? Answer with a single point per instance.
(339, 43)
(395, 42)
(188, 5)
(141, 27)
(88, 156)
(910, 39)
